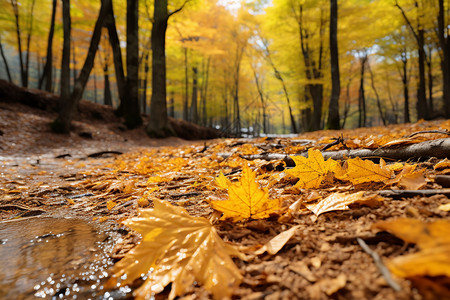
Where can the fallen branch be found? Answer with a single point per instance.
(383, 270)
(101, 153)
(439, 148)
(412, 193)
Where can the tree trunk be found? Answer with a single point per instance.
(110, 23)
(107, 100)
(65, 61)
(361, 95)
(47, 74)
(186, 87)
(159, 125)
(15, 7)
(131, 108)
(194, 104)
(172, 105)
(64, 119)
(379, 105)
(144, 94)
(74, 62)
(333, 107)
(5, 62)
(430, 81)
(405, 87)
(422, 106)
(261, 97)
(204, 93)
(445, 60)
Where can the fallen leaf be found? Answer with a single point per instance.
(443, 164)
(360, 171)
(413, 181)
(329, 286)
(444, 207)
(433, 240)
(246, 200)
(179, 249)
(222, 181)
(341, 201)
(312, 170)
(275, 244)
(302, 269)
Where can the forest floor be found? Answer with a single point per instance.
(103, 174)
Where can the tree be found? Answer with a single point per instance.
(419, 34)
(131, 107)
(65, 61)
(66, 114)
(444, 42)
(158, 125)
(333, 108)
(48, 68)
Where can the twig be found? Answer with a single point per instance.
(429, 131)
(383, 270)
(101, 153)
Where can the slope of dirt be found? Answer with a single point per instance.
(44, 175)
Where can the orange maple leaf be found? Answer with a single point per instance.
(360, 171)
(179, 249)
(246, 200)
(312, 170)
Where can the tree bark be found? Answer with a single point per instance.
(131, 108)
(404, 74)
(333, 107)
(65, 116)
(144, 93)
(159, 125)
(47, 74)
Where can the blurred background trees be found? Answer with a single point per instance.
(248, 67)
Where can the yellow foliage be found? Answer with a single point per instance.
(246, 200)
(179, 249)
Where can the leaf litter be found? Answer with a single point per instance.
(300, 254)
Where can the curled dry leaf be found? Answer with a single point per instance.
(433, 239)
(179, 249)
(341, 201)
(275, 244)
(246, 200)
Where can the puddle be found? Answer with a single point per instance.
(53, 258)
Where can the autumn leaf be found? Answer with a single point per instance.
(433, 240)
(360, 171)
(179, 249)
(341, 201)
(222, 181)
(246, 200)
(312, 170)
(275, 244)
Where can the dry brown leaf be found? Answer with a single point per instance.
(179, 249)
(275, 244)
(413, 181)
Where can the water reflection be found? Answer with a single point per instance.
(54, 258)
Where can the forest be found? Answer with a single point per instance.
(243, 67)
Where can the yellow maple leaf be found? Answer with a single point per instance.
(222, 181)
(433, 239)
(360, 171)
(179, 249)
(312, 170)
(341, 201)
(246, 200)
